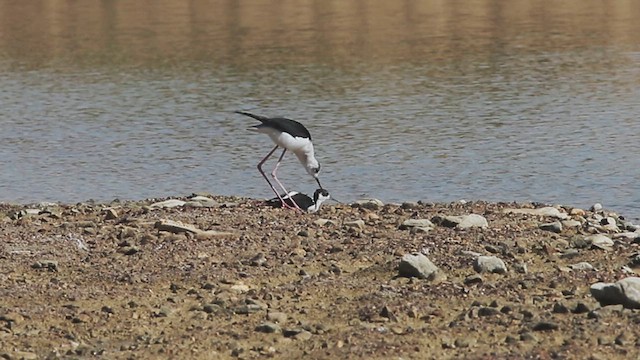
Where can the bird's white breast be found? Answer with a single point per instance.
(285, 140)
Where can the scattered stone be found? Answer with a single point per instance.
(50, 265)
(269, 328)
(110, 214)
(596, 207)
(416, 223)
(488, 311)
(277, 317)
(171, 203)
(370, 204)
(625, 292)
(581, 308)
(599, 241)
(462, 221)
(203, 201)
(581, 266)
(544, 211)
(304, 335)
(324, 222)
(473, 279)
(571, 223)
(357, 224)
(175, 227)
(545, 326)
(559, 308)
(577, 212)
(520, 267)
(417, 265)
(555, 227)
(490, 264)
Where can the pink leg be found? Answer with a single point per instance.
(273, 173)
(284, 204)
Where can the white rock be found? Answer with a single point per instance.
(571, 223)
(417, 265)
(625, 292)
(599, 240)
(544, 211)
(490, 264)
(462, 221)
(596, 207)
(171, 203)
(581, 266)
(421, 223)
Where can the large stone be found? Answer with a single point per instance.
(462, 221)
(625, 292)
(417, 265)
(371, 204)
(599, 241)
(544, 211)
(171, 203)
(419, 223)
(490, 264)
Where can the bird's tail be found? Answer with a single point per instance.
(257, 117)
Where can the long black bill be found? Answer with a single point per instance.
(319, 185)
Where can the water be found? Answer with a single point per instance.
(410, 100)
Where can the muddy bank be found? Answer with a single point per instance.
(224, 277)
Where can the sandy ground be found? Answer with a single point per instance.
(241, 280)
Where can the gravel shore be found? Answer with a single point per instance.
(210, 277)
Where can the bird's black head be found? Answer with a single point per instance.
(321, 194)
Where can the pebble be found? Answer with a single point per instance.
(596, 207)
(624, 292)
(491, 264)
(555, 227)
(417, 265)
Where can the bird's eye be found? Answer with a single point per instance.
(316, 170)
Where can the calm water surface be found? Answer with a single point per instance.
(407, 100)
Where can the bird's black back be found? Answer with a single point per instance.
(289, 126)
(303, 200)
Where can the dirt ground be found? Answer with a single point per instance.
(236, 279)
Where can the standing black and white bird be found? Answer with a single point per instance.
(289, 135)
(304, 201)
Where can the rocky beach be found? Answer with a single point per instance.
(212, 277)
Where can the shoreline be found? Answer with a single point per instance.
(229, 278)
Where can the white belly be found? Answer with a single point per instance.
(284, 140)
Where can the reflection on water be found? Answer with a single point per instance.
(406, 100)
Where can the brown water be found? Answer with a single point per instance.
(406, 100)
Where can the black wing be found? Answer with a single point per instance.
(289, 126)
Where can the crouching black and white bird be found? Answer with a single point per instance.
(304, 201)
(289, 135)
